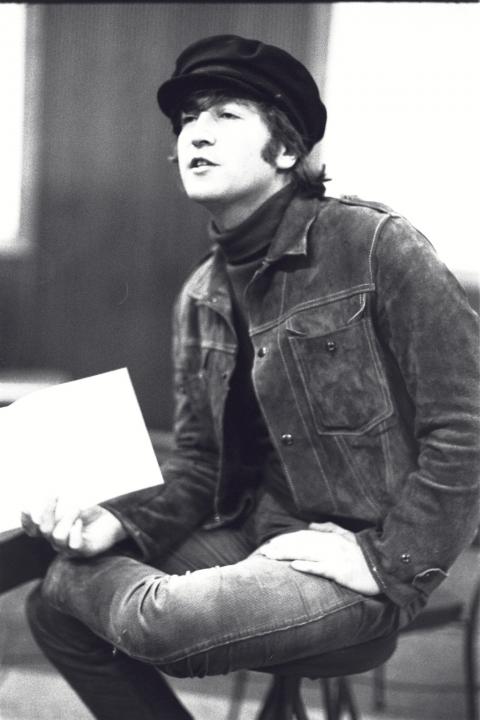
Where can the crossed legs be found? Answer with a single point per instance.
(111, 623)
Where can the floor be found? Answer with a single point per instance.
(424, 678)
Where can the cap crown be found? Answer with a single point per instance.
(264, 70)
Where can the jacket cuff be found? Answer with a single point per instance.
(134, 533)
(398, 577)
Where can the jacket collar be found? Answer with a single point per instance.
(209, 282)
(292, 234)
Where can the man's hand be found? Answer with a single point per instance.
(328, 550)
(73, 531)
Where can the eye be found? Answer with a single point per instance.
(186, 118)
(228, 115)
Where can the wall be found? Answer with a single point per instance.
(112, 235)
(403, 98)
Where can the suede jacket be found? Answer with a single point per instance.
(367, 372)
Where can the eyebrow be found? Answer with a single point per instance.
(206, 102)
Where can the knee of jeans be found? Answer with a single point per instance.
(42, 617)
(145, 624)
(58, 635)
(41, 620)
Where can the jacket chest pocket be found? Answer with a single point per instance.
(341, 376)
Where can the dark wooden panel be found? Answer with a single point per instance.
(114, 235)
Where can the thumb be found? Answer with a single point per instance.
(330, 527)
(75, 538)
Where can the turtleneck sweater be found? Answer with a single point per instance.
(245, 431)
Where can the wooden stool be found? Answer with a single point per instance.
(283, 700)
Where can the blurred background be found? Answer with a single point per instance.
(96, 235)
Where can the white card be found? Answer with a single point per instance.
(83, 441)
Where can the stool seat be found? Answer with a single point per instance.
(283, 700)
(338, 663)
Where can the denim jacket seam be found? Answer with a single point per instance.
(342, 444)
(315, 302)
(284, 464)
(379, 369)
(313, 445)
(301, 415)
(361, 309)
(378, 230)
(388, 462)
(228, 348)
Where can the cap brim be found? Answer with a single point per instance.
(172, 93)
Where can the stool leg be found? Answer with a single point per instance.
(329, 700)
(346, 699)
(279, 703)
(289, 696)
(379, 688)
(338, 697)
(240, 682)
(270, 704)
(298, 706)
(471, 662)
(283, 701)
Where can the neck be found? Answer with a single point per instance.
(227, 216)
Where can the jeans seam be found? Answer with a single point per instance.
(246, 635)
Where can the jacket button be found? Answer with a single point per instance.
(406, 558)
(261, 352)
(287, 439)
(331, 345)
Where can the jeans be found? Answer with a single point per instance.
(113, 624)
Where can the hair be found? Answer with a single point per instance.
(309, 181)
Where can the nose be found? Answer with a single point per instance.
(203, 130)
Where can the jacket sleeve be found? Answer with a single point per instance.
(425, 322)
(158, 518)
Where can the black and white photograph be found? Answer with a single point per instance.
(239, 361)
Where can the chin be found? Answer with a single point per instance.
(202, 196)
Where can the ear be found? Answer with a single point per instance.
(285, 160)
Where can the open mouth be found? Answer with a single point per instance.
(198, 162)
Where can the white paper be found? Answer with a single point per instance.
(83, 441)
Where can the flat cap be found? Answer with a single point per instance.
(264, 71)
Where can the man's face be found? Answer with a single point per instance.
(220, 156)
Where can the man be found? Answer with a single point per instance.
(325, 471)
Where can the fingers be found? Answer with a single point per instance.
(326, 527)
(353, 574)
(75, 539)
(311, 567)
(47, 517)
(29, 526)
(38, 516)
(330, 527)
(94, 531)
(286, 546)
(57, 520)
(66, 517)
